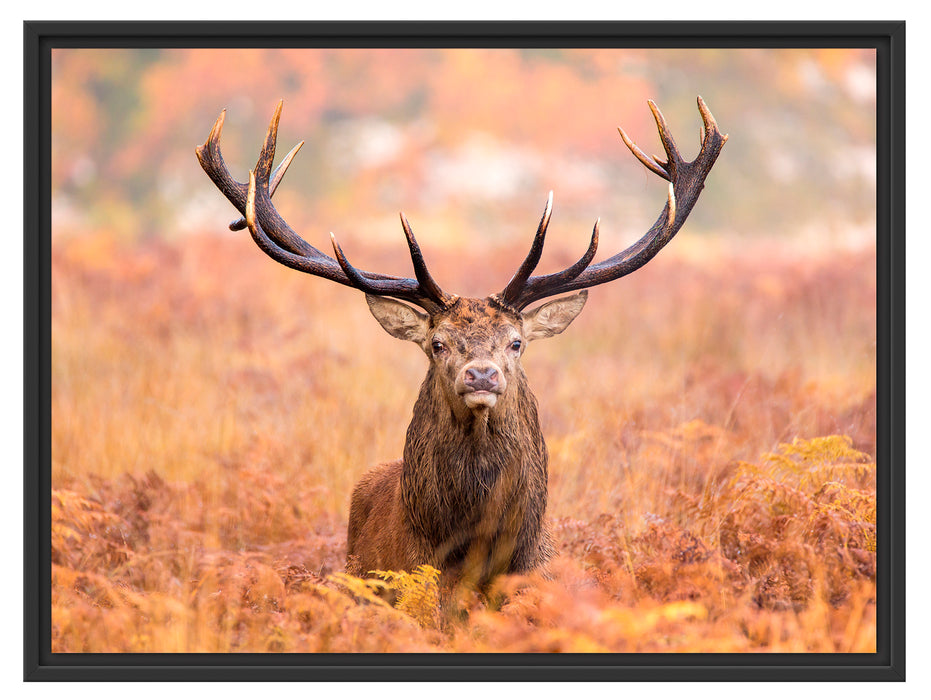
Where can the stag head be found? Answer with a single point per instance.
(475, 345)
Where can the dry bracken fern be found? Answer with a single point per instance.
(415, 593)
(418, 592)
(806, 512)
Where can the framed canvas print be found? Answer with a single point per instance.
(618, 396)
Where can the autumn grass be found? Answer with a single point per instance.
(212, 410)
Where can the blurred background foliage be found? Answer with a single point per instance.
(211, 410)
(467, 142)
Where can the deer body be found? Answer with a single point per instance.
(469, 495)
(475, 489)
(455, 507)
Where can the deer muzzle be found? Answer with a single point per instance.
(480, 383)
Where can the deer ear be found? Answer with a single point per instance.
(400, 320)
(553, 317)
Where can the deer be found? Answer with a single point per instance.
(469, 495)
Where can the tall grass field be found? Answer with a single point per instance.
(711, 425)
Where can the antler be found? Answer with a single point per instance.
(279, 241)
(686, 180)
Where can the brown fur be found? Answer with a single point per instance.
(469, 497)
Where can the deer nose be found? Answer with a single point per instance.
(481, 378)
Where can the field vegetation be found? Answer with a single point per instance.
(710, 423)
(711, 419)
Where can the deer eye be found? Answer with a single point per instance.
(438, 347)
(516, 345)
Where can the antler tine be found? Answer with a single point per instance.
(710, 125)
(513, 288)
(573, 271)
(424, 278)
(567, 275)
(277, 176)
(686, 180)
(578, 267)
(648, 161)
(211, 160)
(267, 155)
(410, 290)
(669, 144)
(358, 280)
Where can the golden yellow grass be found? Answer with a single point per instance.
(212, 410)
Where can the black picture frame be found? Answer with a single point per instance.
(887, 664)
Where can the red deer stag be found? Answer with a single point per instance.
(469, 495)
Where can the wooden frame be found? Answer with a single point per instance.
(888, 662)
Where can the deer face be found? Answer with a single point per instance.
(475, 345)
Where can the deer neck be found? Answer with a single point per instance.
(453, 461)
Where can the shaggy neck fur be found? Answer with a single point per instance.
(484, 471)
